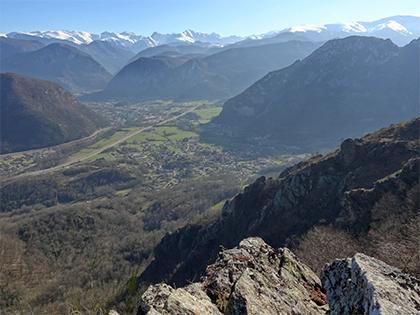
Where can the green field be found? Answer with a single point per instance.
(173, 133)
(101, 143)
(154, 136)
(161, 134)
(206, 114)
(218, 206)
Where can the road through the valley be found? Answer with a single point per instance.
(108, 146)
(32, 151)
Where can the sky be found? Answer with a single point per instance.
(226, 17)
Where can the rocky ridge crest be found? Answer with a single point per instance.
(343, 188)
(254, 278)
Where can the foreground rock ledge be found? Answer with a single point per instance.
(364, 285)
(252, 278)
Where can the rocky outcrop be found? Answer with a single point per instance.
(344, 188)
(364, 285)
(163, 299)
(252, 278)
(359, 204)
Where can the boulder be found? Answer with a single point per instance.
(163, 299)
(252, 278)
(365, 285)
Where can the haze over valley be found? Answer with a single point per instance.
(191, 172)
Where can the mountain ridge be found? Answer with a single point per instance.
(37, 113)
(345, 88)
(215, 76)
(334, 192)
(400, 28)
(124, 39)
(64, 64)
(285, 285)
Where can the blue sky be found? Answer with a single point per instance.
(241, 17)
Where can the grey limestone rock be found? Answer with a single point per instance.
(365, 285)
(252, 278)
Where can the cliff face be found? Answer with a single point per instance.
(255, 278)
(252, 278)
(346, 188)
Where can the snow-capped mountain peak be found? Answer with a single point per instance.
(353, 27)
(393, 25)
(124, 38)
(186, 36)
(307, 28)
(76, 37)
(400, 29)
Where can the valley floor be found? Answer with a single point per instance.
(78, 221)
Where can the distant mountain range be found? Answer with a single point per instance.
(187, 49)
(187, 65)
(37, 113)
(112, 57)
(66, 65)
(343, 89)
(125, 39)
(10, 46)
(400, 29)
(219, 75)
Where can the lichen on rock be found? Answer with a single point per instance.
(252, 278)
(255, 278)
(365, 285)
